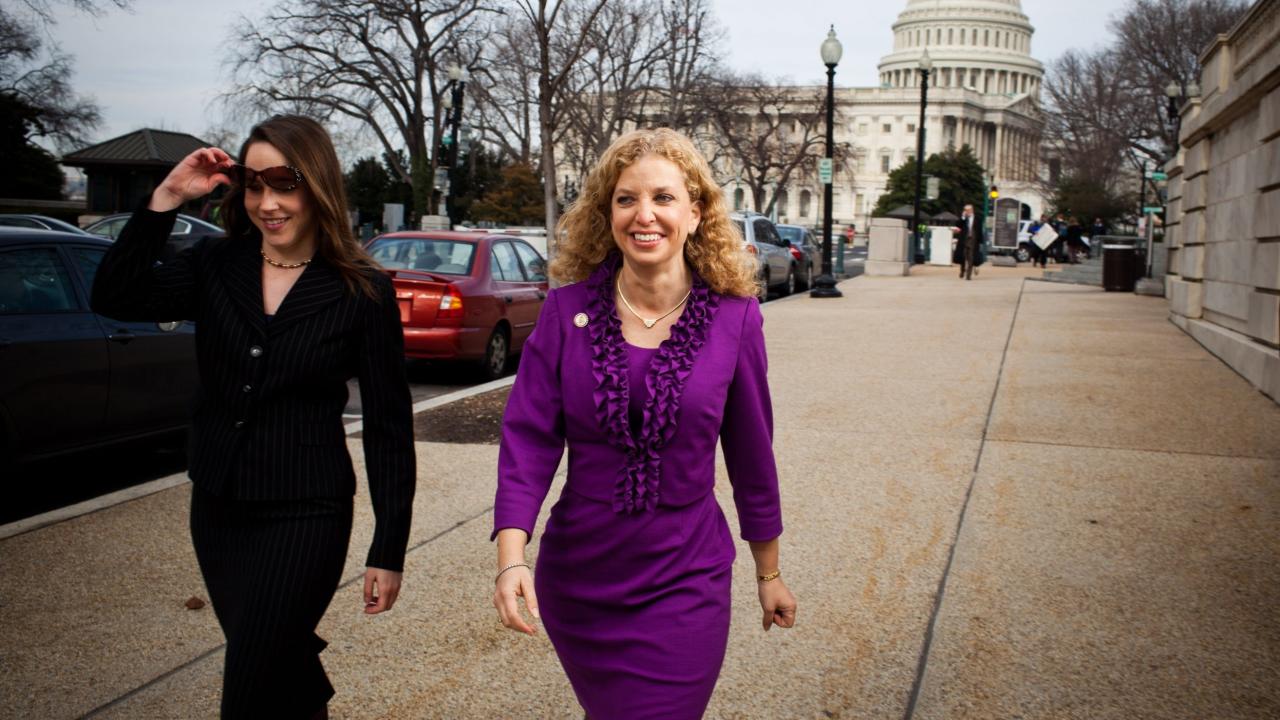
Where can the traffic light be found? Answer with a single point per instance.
(991, 200)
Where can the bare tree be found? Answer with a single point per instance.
(609, 85)
(561, 29)
(1160, 41)
(617, 63)
(1090, 113)
(43, 9)
(1105, 109)
(646, 64)
(764, 132)
(379, 63)
(35, 75)
(691, 41)
(505, 90)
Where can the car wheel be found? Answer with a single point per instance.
(789, 287)
(1022, 254)
(495, 355)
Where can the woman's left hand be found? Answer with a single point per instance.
(778, 603)
(381, 587)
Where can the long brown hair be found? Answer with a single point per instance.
(306, 146)
(715, 250)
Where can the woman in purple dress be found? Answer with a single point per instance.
(653, 352)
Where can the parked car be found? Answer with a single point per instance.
(806, 251)
(1023, 253)
(776, 267)
(464, 296)
(187, 231)
(74, 379)
(38, 222)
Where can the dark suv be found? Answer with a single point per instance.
(74, 379)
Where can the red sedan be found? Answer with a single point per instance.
(464, 296)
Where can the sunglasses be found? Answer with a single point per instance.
(281, 177)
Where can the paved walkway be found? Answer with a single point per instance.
(1003, 499)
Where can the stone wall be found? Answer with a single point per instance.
(1223, 232)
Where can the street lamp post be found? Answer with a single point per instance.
(1177, 99)
(825, 284)
(447, 151)
(926, 64)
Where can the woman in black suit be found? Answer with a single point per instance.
(287, 308)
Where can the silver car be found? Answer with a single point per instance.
(775, 267)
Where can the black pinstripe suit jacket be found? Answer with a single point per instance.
(268, 420)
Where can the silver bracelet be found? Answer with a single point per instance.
(512, 565)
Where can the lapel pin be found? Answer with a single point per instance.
(580, 320)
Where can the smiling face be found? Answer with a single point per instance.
(651, 214)
(286, 218)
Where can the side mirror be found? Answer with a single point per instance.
(786, 242)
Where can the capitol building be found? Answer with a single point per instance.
(984, 92)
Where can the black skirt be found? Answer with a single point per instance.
(271, 568)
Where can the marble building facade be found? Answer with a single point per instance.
(984, 91)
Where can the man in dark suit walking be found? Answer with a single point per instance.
(968, 235)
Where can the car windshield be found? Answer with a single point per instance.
(794, 234)
(445, 257)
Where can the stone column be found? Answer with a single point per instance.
(997, 169)
(887, 248)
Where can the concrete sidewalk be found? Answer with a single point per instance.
(1003, 499)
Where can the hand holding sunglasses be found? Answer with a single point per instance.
(196, 176)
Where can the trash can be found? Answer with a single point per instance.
(1119, 267)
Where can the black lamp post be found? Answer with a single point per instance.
(926, 65)
(825, 284)
(447, 154)
(447, 150)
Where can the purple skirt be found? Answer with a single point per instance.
(637, 606)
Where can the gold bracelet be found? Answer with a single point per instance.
(771, 576)
(512, 565)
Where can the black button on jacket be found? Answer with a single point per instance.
(283, 440)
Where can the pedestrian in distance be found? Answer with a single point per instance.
(653, 352)
(1057, 249)
(968, 237)
(1098, 229)
(1074, 241)
(1039, 256)
(287, 308)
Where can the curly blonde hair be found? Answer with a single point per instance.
(715, 250)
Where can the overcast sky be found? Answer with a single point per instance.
(160, 64)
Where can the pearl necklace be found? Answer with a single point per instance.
(286, 266)
(649, 323)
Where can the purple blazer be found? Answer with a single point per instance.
(707, 382)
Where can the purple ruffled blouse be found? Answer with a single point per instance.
(707, 382)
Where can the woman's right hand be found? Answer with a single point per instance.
(196, 176)
(514, 583)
